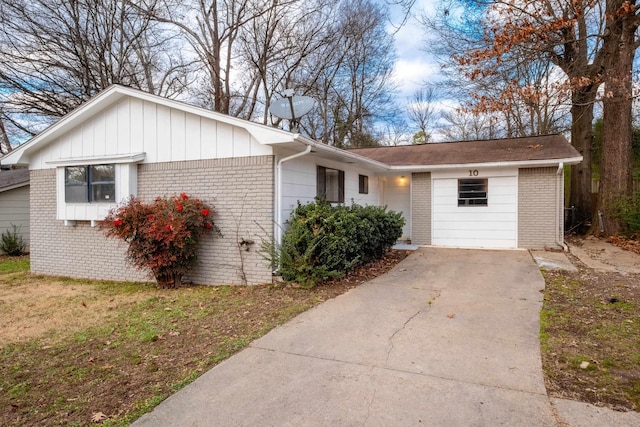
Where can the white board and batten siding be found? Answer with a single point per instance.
(491, 226)
(133, 126)
(299, 183)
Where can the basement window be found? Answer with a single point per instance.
(472, 192)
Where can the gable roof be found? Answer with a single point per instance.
(13, 178)
(551, 149)
(532, 151)
(20, 155)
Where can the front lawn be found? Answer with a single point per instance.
(76, 352)
(590, 337)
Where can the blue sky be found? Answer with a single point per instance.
(413, 66)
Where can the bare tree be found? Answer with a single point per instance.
(350, 76)
(55, 55)
(212, 29)
(5, 142)
(460, 125)
(421, 112)
(273, 50)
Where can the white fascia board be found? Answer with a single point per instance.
(20, 154)
(518, 164)
(347, 155)
(96, 160)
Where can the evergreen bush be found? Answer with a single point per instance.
(324, 241)
(628, 211)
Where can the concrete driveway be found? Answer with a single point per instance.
(447, 338)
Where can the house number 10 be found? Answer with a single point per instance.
(473, 172)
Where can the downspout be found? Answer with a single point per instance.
(278, 225)
(560, 210)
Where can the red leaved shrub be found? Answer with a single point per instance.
(162, 235)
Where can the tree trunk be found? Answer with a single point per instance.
(616, 170)
(581, 138)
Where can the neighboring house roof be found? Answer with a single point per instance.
(13, 178)
(529, 150)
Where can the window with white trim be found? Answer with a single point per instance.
(472, 192)
(87, 187)
(330, 184)
(90, 184)
(363, 184)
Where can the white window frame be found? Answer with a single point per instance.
(323, 182)
(126, 185)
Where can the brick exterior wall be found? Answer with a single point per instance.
(538, 212)
(73, 251)
(421, 208)
(240, 189)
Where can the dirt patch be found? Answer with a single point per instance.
(44, 311)
(590, 333)
(603, 255)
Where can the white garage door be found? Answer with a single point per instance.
(464, 224)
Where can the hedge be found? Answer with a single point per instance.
(324, 241)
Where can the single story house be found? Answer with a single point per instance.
(14, 202)
(494, 194)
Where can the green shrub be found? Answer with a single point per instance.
(323, 241)
(628, 211)
(12, 242)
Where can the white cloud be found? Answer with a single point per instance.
(412, 73)
(414, 66)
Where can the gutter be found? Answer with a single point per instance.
(513, 163)
(344, 154)
(560, 210)
(278, 225)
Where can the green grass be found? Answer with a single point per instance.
(578, 323)
(14, 265)
(152, 343)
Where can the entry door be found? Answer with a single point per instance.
(471, 224)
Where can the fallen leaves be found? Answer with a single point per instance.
(628, 244)
(125, 363)
(98, 417)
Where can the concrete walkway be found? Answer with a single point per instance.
(447, 338)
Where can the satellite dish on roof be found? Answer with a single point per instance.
(292, 108)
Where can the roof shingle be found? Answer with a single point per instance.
(548, 147)
(13, 177)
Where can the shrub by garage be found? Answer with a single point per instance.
(324, 241)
